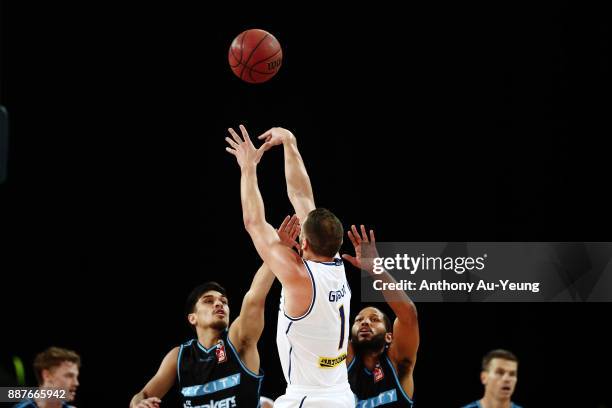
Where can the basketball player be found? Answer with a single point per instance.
(381, 358)
(312, 332)
(55, 368)
(219, 368)
(499, 376)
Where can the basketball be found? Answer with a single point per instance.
(255, 56)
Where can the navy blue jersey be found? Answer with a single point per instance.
(216, 377)
(377, 388)
(31, 404)
(476, 404)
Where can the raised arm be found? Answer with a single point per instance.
(248, 326)
(299, 188)
(246, 330)
(159, 385)
(286, 265)
(403, 349)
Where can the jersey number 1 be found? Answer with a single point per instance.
(342, 321)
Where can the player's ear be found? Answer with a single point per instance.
(389, 337)
(191, 317)
(46, 375)
(483, 377)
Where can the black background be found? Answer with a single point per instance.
(451, 123)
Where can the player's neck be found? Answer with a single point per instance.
(309, 256)
(209, 337)
(489, 401)
(371, 358)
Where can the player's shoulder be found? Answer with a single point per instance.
(182, 350)
(333, 269)
(174, 352)
(172, 357)
(185, 344)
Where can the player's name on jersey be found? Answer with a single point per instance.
(337, 295)
(444, 286)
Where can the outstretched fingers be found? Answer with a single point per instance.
(235, 136)
(283, 225)
(352, 238)
(356, 235)
(231, 142)
(364, 234)
(245, 135)
(295, 232)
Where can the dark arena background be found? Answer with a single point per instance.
(440, 123)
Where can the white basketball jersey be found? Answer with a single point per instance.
(312, 348)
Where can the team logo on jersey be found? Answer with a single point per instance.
(379, 374)
(212, 386)
(331, 362)
(220, 352)
(384, 398)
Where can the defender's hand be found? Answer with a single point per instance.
(289, 231)
(365, 249)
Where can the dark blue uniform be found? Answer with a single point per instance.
(216, 377)
(476, 404)
(377, 388)
(32, 404)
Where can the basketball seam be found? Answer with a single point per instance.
(252, 52)
(251, 75)
(259, 72)
(241, 40)
(234, 55)
(251, 70)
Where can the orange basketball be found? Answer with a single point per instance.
(255, 56)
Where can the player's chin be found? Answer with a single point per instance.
(359, 342)
(364, 336)
(220, 324)
(71, 395)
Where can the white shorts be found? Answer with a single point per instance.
(265, 402)
(316, 397)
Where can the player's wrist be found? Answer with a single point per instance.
(248, 168)
(289, 138)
